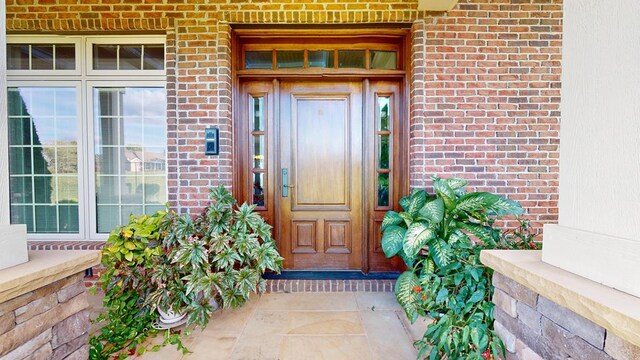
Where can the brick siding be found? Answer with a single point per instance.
(485, 83)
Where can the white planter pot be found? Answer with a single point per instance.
(169, 317)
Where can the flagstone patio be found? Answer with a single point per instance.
(351, 325)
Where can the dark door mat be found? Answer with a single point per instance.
(330, 275)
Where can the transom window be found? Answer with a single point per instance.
(260, 52)
(328, 59)
(87, 132)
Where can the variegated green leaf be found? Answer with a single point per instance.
(433, 211)
(406, 295)
(417, 236)
(409, 261)
(504, 207)
(439, 251)
(483, 233)
(390, 218)
(456, 183)
(392, 240)
(408, 219)
(445, 192)
(476, 201)
(416, 201)
(405, 202)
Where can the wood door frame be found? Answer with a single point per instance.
(401, 36)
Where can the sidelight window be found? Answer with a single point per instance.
(383, 153)
(258, 150)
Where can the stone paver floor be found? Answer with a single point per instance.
(355, 325)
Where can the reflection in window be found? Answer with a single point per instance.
(43, 158)
(130, 153)
(128, 57)
(258, 189)
(383, 60)
(41, 57)
(258, 60)
(289, 59)
(321, 59)
(383, 153)
(351, 59)
(258, 148)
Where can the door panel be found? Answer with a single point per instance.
(321, 156)
(321, 146)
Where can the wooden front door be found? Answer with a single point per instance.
(321, 179)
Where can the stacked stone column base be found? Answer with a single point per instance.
(51, 322)
(533, 327)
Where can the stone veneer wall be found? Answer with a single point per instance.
(533, 327)
(51, 322)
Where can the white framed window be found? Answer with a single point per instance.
(87, 147)
(44, 55)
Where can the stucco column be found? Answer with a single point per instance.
(598, 234)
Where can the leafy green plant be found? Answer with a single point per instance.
(130, 256)
(222, 253)
(181, 264)
(440, 237)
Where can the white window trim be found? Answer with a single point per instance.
(4, 128)
(48, 39)
(85, 80)
(91, 217)
(81, 156)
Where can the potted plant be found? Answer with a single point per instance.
(217, 257)
(440, 237)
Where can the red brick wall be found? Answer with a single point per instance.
(484, 95)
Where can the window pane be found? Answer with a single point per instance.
(321, 59)
(130, 57)
(383, 113)
(258, 60)
(105, 57)
(383, 151)
(153, 57)
(18, 57)
(23, 215)
(42, 57)
(155, 190)
(43, 132)
(108, 218)
(68, 219)
(127, 211)
(383, 189)
(19, 160)
(65, 57)
(258, 151)
(46, 219)
(258, 189)
(130, 153)
(19, 131)
(351, 59)
(21, 189)
(383, 59)
(258, 114)
(289, 59)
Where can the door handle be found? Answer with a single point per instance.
(285, 182)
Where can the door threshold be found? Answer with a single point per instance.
(330, 275)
